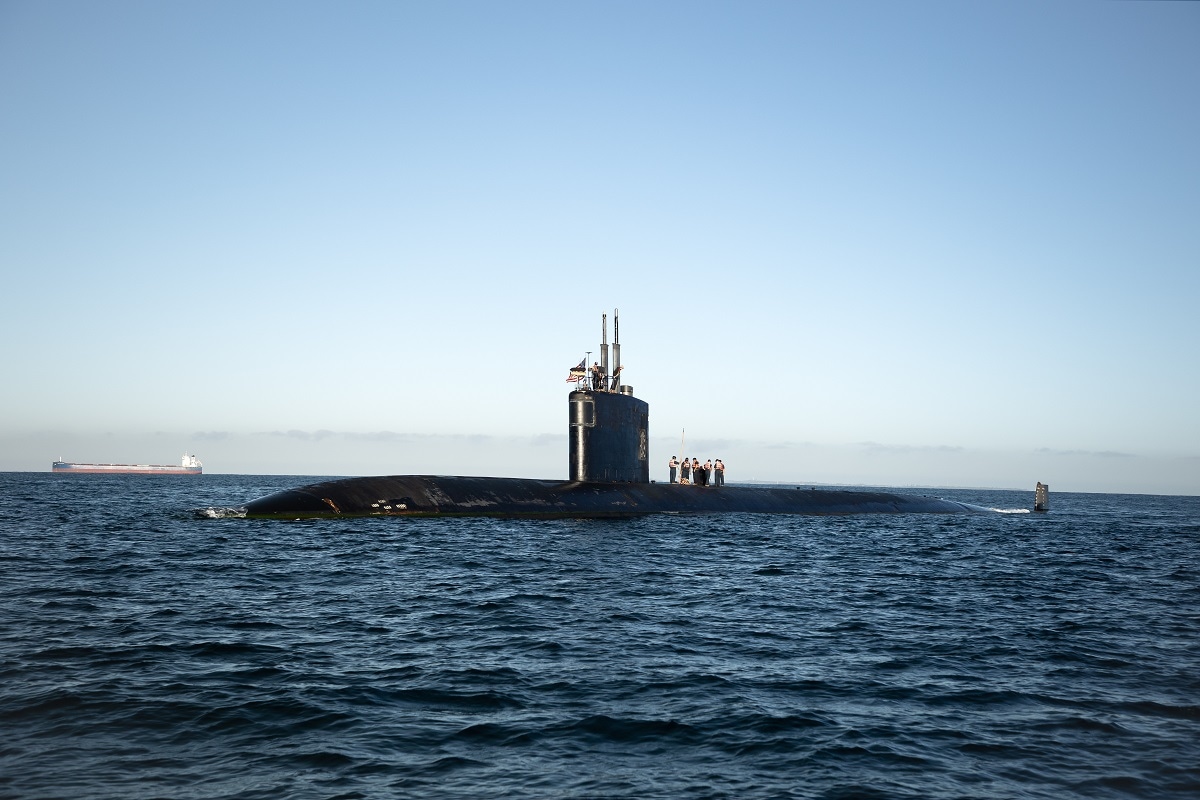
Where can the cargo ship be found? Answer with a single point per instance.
(189, 465)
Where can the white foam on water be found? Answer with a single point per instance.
(221, 513)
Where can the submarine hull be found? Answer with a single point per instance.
(434, 495)
(608, 475)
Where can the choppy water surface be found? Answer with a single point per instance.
(147, 651)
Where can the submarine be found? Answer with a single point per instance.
(608, 476)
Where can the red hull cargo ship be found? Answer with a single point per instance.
(190, 465)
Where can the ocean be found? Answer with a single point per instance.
(155, 645)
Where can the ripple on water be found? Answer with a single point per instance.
(149, 649)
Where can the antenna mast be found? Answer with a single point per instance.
(616, 380)
(603, 352)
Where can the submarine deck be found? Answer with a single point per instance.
(433, 495)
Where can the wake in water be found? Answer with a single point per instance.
(219, 513)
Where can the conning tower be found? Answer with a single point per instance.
(609, 427)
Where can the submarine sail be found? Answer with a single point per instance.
(609, 428)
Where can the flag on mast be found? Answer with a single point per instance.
(578, 373)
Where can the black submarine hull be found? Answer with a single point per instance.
(608, 475)
(434, 495)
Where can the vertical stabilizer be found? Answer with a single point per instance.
(1041, 497)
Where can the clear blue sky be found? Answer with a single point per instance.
(886, 243)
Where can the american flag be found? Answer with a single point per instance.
(578, 373)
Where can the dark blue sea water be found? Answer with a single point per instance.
(151, 646)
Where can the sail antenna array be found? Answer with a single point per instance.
(603, 352)
(1041, 497)
(616, 378)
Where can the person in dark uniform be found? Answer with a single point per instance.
(697, 475)
(685, 476)
(720, 476)
(597, 377)
(674, 465)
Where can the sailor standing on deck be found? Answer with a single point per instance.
(673, 464)
(720, 468)
(597, 377)
(685, 476)
(707, 471)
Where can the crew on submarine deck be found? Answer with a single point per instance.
(711, 473)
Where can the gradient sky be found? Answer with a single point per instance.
(937, 244)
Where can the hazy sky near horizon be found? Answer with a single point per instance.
(926, 243)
